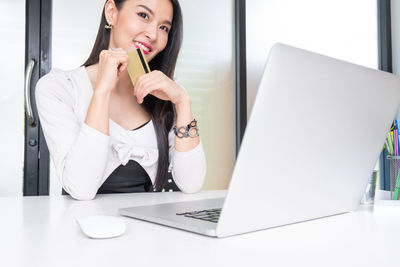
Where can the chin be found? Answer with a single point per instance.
(149, 58)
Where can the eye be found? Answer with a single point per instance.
(143, 15)
(164, 28)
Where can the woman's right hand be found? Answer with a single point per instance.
(111, 64)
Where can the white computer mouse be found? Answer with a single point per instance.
(102, 226)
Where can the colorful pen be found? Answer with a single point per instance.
(395, 142)
(389, 139)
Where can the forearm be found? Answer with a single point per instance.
(184, 117)
(81, 170)
(189, 169)
(98, 112)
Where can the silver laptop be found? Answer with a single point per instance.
(316, 130)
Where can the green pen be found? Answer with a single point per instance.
(389, 138)
(397, 188)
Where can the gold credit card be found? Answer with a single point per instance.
(137, 64)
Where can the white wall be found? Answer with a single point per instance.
(12, 69)
(345, 29)
(205, 69)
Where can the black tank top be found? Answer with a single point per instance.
(131, 178)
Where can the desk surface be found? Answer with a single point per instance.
(42, 231)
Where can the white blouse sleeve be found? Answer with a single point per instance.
(79, 152)
(188, 168)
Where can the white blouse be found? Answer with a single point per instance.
(84, 157)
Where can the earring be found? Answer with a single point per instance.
(108, 26)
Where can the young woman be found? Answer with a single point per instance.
(106, 135)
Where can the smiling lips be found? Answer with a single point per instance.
(146, 48)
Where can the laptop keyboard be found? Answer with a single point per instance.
(211, 215)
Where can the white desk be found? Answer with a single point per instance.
(42, 231)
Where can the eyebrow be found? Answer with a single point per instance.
(152, 13)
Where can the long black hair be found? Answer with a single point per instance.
(162, 112)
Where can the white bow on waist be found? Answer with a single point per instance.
(144, 156)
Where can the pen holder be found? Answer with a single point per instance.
(394, 165)
(369, 196)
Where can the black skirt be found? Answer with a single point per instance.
(131, 178)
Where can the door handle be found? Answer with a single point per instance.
(28, 106)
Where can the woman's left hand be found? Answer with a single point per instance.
(161, 86)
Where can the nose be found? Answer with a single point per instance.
(151, 31)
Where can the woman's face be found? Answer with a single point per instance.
(140, 23)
